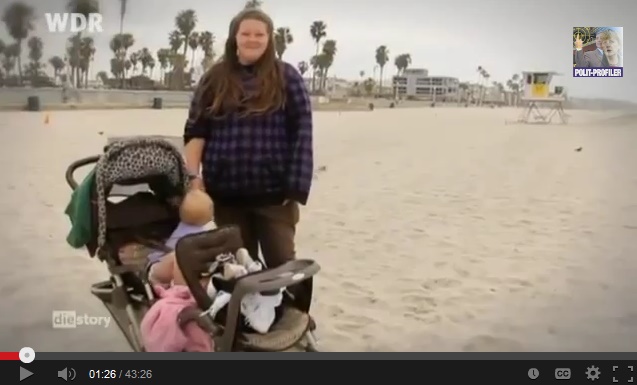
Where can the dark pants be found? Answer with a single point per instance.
(271, 229)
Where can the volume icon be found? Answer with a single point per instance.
(67, 374)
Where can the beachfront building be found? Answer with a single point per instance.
(334, 87)
(416, 83)
(493, 95)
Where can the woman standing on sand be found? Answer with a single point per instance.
(250, 132)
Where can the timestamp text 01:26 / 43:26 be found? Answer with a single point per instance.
(120, 373)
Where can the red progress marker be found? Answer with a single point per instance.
(9, 356)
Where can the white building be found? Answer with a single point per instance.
(333, 86)
(493, 95)
(416, 83)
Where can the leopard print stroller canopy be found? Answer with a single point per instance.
(134, 161)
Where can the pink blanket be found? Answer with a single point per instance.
(160, 328)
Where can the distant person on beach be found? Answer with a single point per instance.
(589, 58)
(250, 131)
(68, 90)
(612, 46)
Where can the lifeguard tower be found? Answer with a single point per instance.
(541, 105)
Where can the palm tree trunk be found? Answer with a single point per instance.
(19, 61)
(122, 13)
(79, 56)
(123, 72)
(314, 70)
(324, 80)
(380, 81)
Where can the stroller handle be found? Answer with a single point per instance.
(195, 252)
(78, 164)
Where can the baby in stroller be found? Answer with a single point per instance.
(160, 328)
(195, 212)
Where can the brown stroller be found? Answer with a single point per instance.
(134, 189)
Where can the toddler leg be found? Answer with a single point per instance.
(162, 272)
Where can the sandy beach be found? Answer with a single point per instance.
(438, 229)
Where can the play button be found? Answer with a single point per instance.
(24, 374)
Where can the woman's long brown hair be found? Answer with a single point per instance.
(221, 92)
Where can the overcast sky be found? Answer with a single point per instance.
(449, 38)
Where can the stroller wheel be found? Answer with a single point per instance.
(311, 342)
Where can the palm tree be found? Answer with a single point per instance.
(253, 4)
(35, 55)
(117, 68)
(2, 48)
(58, 65)
(175, 40)
(185, 22)
(318, 30)
(19, 18)
(162, 57)
(369, 85)
(514, 86)
(193, 43)
(480, 71)
(485, 76)
(117, 47)
(206, 42)
(84, 7)
(134, 59)
(73, 56)
(320, 63)
(127, 42)
(282, 38)
(10, 58)
(482, 78)
(87, 53)
(382, 57)
(327, 59)
(302, 67)
(127, 67)
(122, 14)
(146, 59)
(120, 44)
(315, 62)
(401, 62)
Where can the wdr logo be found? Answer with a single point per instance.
(73, 22)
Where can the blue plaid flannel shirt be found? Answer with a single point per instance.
(259, 159)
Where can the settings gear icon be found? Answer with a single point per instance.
(592, 373)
